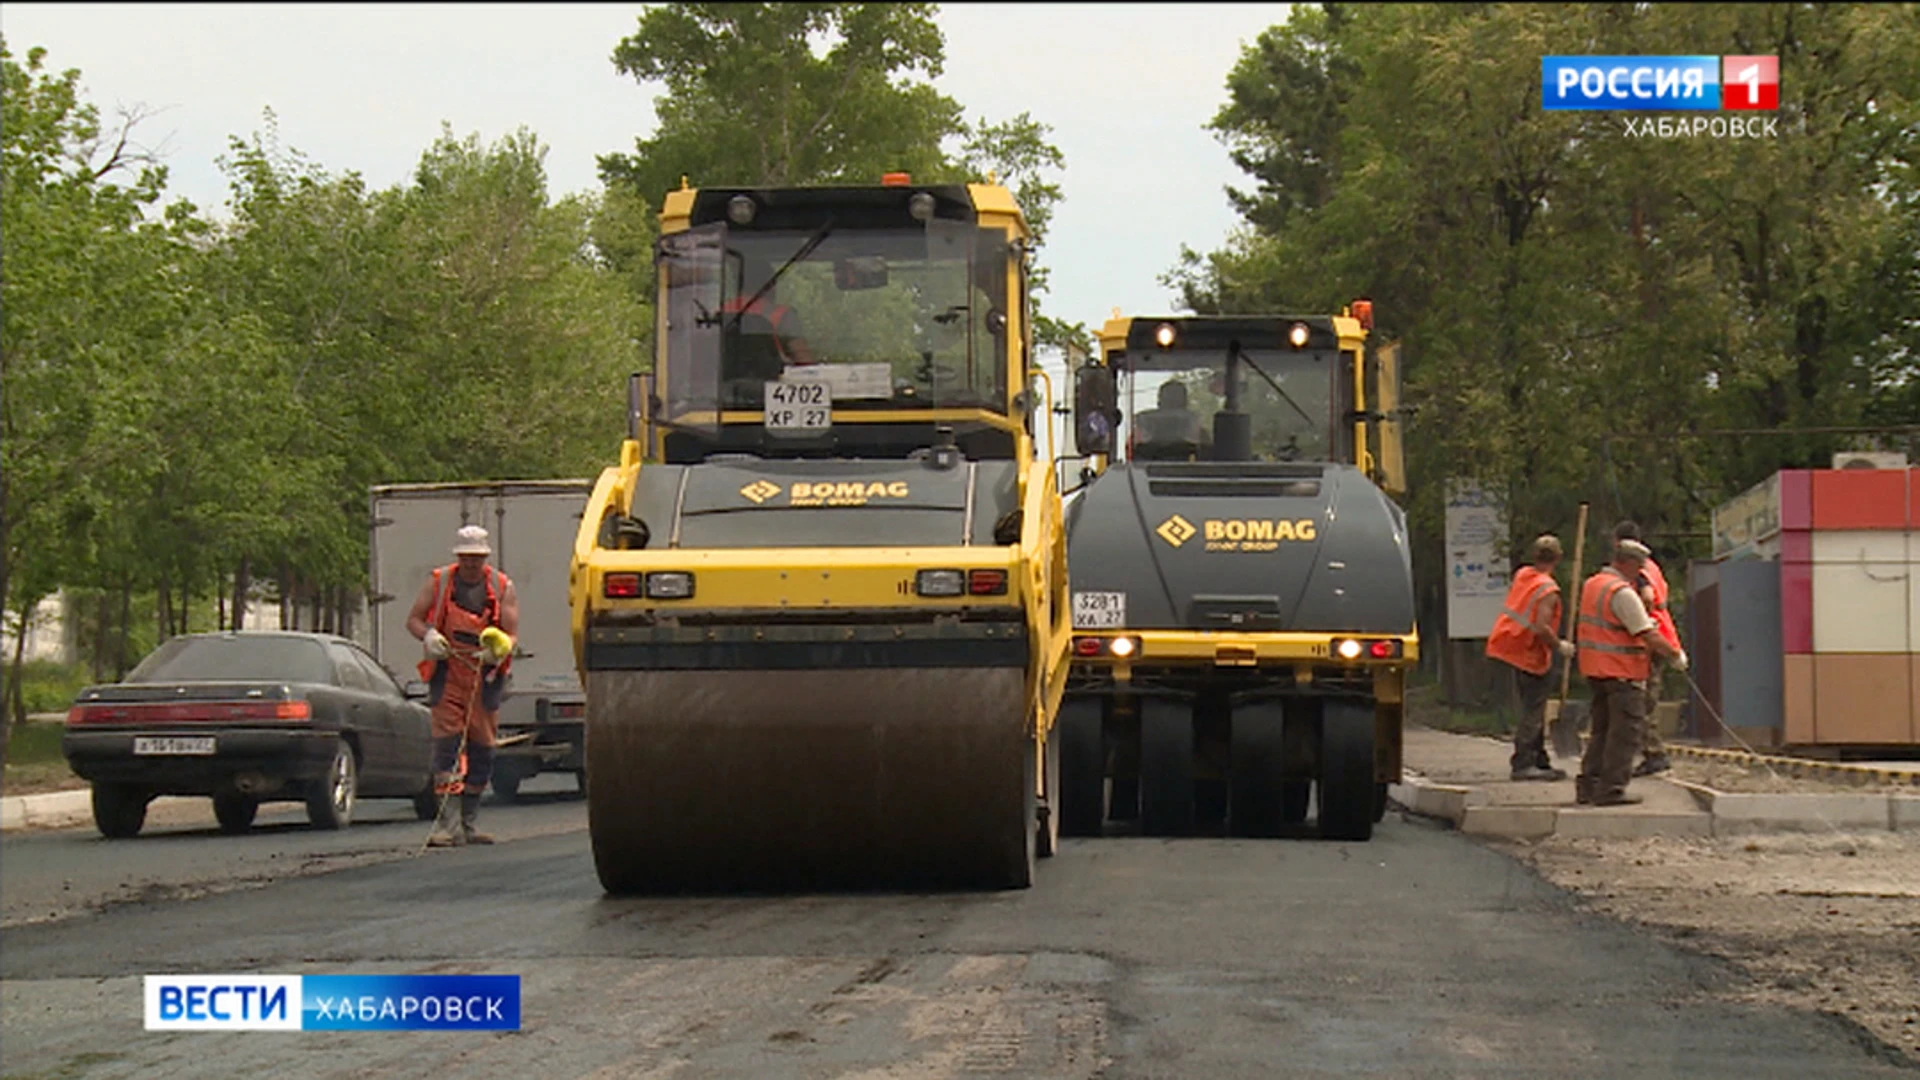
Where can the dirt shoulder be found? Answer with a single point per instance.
(1824, 922)
(1760, 779)
(39, 779)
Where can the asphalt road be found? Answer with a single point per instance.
(1419, 954)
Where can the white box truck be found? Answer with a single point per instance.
(531, 525)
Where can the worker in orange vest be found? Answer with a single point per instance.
(762, 337)
(465, 617)
(1652, 585)
(1525, 639)
(1616, 642)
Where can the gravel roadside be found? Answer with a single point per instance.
(1827, 922)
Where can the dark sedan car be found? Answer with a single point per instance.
(248, 717)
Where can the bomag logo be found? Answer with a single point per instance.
(1176, 530)
(844, 492)
(760, 491)
(1255, 534)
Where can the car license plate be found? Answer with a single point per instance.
(147, 745)
(799, 406)
(1099, 610)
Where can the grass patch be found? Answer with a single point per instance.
(34, 761)
(1425, 707)
(49, 687)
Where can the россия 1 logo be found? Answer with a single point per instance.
(1660, 83)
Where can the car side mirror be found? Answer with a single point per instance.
(1094, 411)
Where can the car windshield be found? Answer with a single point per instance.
(888, 318)
(240, 657)
(1289, 397)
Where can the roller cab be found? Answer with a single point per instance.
(1241, 581)
(820, 604)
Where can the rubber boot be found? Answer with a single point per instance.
(446, 834)
(469, 810)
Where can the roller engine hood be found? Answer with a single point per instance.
(1247, 546)
(751, 503)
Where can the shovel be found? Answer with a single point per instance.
(1563, 727)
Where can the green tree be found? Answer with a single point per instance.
(785, 94)
(817, 94)
(91, 302)
(1576, 300)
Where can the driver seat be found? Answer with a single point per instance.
(750, 355)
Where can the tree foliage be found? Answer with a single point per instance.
(1581, 304)
(188, 404)
(783, 95)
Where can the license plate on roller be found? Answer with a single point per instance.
(150, 745)
(1099, 610)
(799, 406)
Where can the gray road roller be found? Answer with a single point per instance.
(1243, 609)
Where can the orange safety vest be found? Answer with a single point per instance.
(1607, 651)
(1512, 640)
(437, 614)
(1662, 618)
(738, 305)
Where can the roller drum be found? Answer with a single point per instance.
(716, 781)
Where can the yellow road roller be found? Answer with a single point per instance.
(1242, 585)
(819, 606)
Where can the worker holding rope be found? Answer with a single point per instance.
(465, 616)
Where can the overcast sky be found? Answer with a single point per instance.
(365, 88)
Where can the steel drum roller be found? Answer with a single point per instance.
(848, 778)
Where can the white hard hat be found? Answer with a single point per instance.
(472, 541)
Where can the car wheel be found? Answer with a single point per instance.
(119, 810)
(580, 780)
(330, 805)
(235, 811)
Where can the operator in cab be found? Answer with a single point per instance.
(1171, 432)
(762, 336)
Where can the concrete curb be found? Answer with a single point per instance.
(50, 810)
(1742, 813)
(1428, 799)
(1802, 767)
(1471, 811)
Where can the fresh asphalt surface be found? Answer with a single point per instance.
(1418, 954)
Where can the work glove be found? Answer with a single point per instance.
(497, 642)
(1680, 660)
(437, 646)
(1567, 648)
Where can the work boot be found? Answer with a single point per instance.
(470, 809)
(1655, 764)
(1622, 799)
(1539, 772)
(445, 835)
(1582, 791)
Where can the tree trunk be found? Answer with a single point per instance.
(219, 609)
(102, 622)
(315, 607)
(242, 586)
(120, 664)
(16, 705)
(164, 608)
(286, 596)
